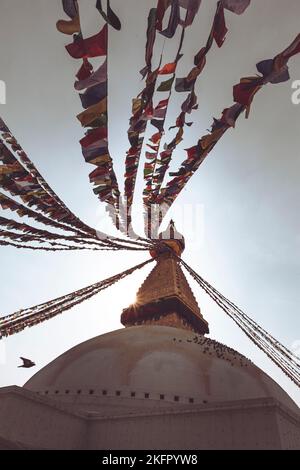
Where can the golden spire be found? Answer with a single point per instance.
(165, 297)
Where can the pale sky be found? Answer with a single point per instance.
(247, 189)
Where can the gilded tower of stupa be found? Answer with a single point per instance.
(165, 297)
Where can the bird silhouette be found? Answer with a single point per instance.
(27, 363)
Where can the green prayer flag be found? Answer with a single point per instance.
(166, 85)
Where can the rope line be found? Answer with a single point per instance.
(18, 321)
(285, 359)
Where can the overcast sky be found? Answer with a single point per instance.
(247, 189)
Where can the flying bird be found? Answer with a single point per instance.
(27, 363)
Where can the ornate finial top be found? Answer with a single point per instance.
(169, 239)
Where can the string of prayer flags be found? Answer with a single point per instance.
(24, 180)
(42, 248)
(8, 203)
(273, 71)
(18, 321)
(94, 101)
(152, 174)
(45, 235)
(218, 32)
(95, 238)
(142, 112)
(244, 93)
(187, 84)
(276, 70)
(27, 238)
(12, 224)
(29, 166)
(229, 117)
(151, 36)
(160, 112)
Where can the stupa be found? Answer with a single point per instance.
(158, 383)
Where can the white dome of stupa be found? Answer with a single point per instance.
(155, 363)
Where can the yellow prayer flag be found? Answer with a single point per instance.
(93, 112)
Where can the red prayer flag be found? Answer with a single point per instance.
(155, 137)
(93, 136)
(168, 68)
(85, 70)
(162, 104)
(244, 91)
(161, 9)
(219, 28)
(153, 147)
(133, 151)
(192, 152)
(95, 46)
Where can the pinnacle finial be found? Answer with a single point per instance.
(169, 239)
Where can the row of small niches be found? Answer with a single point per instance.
(118, 393)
